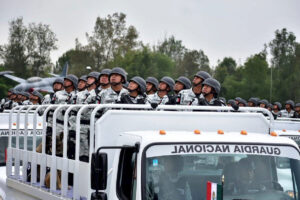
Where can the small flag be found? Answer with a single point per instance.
(214, 191)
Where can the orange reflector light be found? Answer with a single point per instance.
(14, 124)
(284, 130)
(243, 132)
(273, 134)
(197, 132)
(221, 132)
(162, 132)
(40, 124)
(299, 131)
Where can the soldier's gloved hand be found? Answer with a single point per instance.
(154, 105)
(202, 102)
(235, 106)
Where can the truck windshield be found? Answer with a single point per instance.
(187, 172)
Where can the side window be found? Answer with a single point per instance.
(126, 182)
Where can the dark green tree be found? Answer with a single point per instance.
(111, 38)
(283, 51)
(13, 53)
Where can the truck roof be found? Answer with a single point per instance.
(214, 137)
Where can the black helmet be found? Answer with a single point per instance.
(83, 78)
(243, 101)
(223, 99)
(238, 99)
(11, 90)
(73, 79)
(291, 102)
(214, 84)
(120, 71)
(231, 101)
(169, 81)
(269, 105)
(253, 100)
(278, 105)
(297, 105)
(264, 101)
(94, 75)
(141, 82)
(202, 74)
(59, 80)
(153, 81)
(105, 72)
(185, 81)
(36, 93)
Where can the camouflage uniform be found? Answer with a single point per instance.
(109, 96)
(188, 97)
(212, 102)
(83, 97)
(285, 113)
(127, 99)
(26, 102)
(154, 98)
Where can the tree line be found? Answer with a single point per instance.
(115, 43)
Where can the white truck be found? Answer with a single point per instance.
(288, 127)
(170, 152)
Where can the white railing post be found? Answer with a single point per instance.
(33, 178)
(53, 169)
(43, 155)
(25, 152)
(65, 164)
(9, 161)
(17, 158)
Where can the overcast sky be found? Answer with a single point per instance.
(236, 28)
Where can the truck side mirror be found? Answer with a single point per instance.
(99, 171)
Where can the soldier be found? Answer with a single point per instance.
(237, 100)
(297, 111)
(190, 96)
(182, 83)
(13, 100)
(289, 106)
(58, 85)
(252, 102)
(270, 107)
(87, 96)
(36, 98)
(210, 89)
(25, 98)
(66, 96)
(19, 98)
(231, 102)
(162, 96)
(151, 85)
(242, 102)
(104, 80)
(117, 78)
(6, 100)
(82, 83)
(263, 103)
(276, 110)
(137, 89)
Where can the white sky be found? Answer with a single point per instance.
(236, 28)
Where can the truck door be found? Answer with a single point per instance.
(126, 183)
